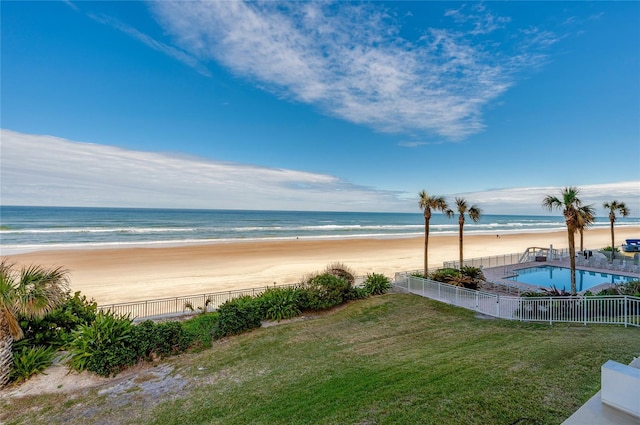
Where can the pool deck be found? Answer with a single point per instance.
(497, 276)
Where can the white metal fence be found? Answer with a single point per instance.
(178, 306)
(619, 310)
(530, 255)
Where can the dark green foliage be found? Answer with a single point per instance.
(467, 277)
(358, 293)
(445, 275)
(377, 284)
(200, 330)
(106, 346)
(238, 315)
(323, 291)
(28, 361)
(159, 339)
(55, 328)
(279, 303)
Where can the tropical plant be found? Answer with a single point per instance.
(467, 276)
(622, 209)
(106, 346)
(474, 214)
(279, 303)
(586, 217)
(426, 204)
(54, 329)
(31, 360)
(32, 291)
(377, 284)
(569, 203)
(204, 309)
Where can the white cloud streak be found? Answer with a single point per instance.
(49, 171)
(348, 59)
(528, 201)
(152, 43)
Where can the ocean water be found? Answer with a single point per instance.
(24, 229)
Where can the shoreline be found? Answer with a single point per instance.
(122, 274)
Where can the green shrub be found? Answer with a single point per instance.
(377, 284)
(31, 360)
(55, 328)
(446, 275)
(358, 293)
(200, 330)
(341, 271)
(238, 315)
(106, 346)
(279, 303)
(323, 291)
(467, 277)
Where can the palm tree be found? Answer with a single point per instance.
(614, 206)
(428, 203)
(32, 292)
(474, 214)
(586, 217)
(569, 203)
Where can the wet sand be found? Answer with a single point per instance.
(132, 274)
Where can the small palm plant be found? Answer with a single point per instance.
(30, 292)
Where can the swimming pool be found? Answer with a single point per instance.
(560, 277)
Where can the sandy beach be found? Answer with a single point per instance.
(131, 274)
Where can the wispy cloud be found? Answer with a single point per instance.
(528, 201)
(171, 51)
(349, 60)
(45, 170)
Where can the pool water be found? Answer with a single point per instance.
(560, 277)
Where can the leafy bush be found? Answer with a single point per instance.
(159, 339)
(55, 328)
(238, 315)
(630, 288)
(467, 277)
(341, 271)
(358, 293)
(106, 346)
(279, 303)
(200, 329)
(377, 284)
(323, 291)
(31, 360)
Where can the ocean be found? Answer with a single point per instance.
(24, 229)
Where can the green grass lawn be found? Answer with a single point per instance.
(392, 359)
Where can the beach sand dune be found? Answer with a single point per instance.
(132, 274)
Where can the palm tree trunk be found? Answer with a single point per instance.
(6, 350)
(581, 240)
(426, 246)
(460, 240)
(572, 259)
(612, 243)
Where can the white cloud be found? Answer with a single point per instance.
(50, 171)
(349, 60)
(45, 170)
(528, 201)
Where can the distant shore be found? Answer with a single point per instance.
(115, 275)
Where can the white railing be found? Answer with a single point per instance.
(178, 306)
(619, 310)
(530, 255)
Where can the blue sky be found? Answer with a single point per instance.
(319, 106)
